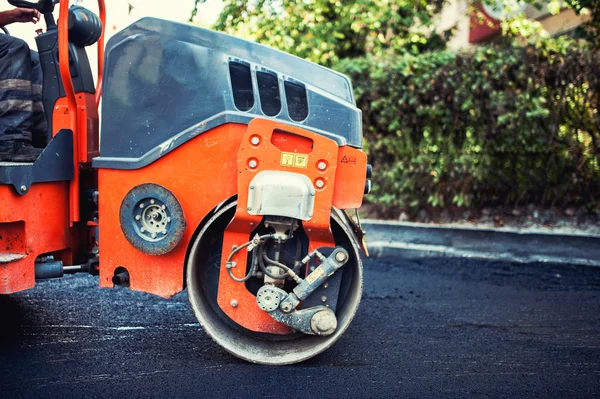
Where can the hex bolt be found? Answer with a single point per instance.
(234, 303)
(255, 140)
(152, 201)
(137, 217)
(252, 187)
(168, 220)
(323, 299)
(340, 257)
(249, 208)
(142, 205)
(23, 188)
(153, 235)
(253, 164)
(322, 165)
(320, 184)
(164, 207)
(164, 232)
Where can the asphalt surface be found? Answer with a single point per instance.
(426, 328)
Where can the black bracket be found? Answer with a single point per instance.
(55, 163)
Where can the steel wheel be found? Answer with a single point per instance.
(202, 277)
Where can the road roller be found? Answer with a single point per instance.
(216, 165)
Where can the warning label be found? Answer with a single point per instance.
(294, 160)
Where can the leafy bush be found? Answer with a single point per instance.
(504, 124)
(325, 31)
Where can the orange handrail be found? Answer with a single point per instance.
(65, 75)
(102, 14)
(63, 54)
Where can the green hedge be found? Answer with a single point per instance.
(502, 124)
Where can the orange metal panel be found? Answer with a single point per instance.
(350, 178)
(87, 124)
(267, 153)
(201, 174)
(37, 223)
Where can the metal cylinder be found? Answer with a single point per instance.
(48, 270)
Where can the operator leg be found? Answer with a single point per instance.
(16, 101)
(39, 127)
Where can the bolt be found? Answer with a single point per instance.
(249, 208)
(142, 205)
(137, 217)
(164, 207)
(320, 183)
(326, 284)
(310, 215)
(251, 223)
(312, 194)
(323, 323)
(164, 231)
(252, 187)
(323, 299)
(168, 220)
(312, 268)
(286, 307)
(152, 201)
(322, 165)
(153, 235)
(309, 230)
(255, 140)
(234, 303)
(340, 257)
(23, 188)
(252, 164)
(142, 229)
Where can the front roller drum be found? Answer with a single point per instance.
(272, 349)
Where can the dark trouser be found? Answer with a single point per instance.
(21, 109)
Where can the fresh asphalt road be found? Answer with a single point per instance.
(426, 328)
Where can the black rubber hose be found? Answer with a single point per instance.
(261, 263)
(252, 268)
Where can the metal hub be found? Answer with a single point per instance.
(268, 299)
(152, 219)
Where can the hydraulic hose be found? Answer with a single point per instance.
(255, 253)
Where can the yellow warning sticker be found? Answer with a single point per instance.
(294, 160)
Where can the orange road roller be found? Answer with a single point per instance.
(216, 165)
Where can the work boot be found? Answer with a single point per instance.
(18, 151)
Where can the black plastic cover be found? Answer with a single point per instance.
(165, 83)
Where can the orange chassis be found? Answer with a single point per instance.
(213, 167)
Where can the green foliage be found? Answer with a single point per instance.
(591, 29)
(325, 31)
(504, 123)
(516, 121)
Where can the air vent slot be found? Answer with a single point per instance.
(295, 95)
(241, 85)
(268, 90)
